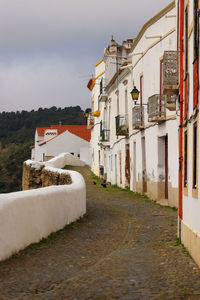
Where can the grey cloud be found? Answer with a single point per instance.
(40, 84)
(48, 48)
(33, 23)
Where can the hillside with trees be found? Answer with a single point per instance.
(17, 130)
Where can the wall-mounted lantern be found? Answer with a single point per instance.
(135, 94)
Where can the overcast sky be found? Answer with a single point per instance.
(48, 48)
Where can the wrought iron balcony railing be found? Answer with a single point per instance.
(104, 133)
(103, 97)
(121, 125)
(157, 108)
(170, 73)
(138, 117)
(171, 102)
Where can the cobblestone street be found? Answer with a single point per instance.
(124, 248)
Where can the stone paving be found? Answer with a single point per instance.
(124, 248)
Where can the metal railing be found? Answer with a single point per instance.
(103, 96)
(121, 122)
(170, 72)
(157, 107)
(138, 116)
(104, 133)
(171, 102)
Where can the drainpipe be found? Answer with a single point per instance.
(181, 34)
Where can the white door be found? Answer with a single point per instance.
(115, 168)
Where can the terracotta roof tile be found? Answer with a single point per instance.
(80, 130)
(41, 130)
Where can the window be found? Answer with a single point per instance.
(186, 65)
(161, 77)
(195, 155)
(186, 97)
(109, 117)
(196, 55)
(161, 87)
(141, 89)
(126, 102)
(185, 158)
(117, 103)
(105, 116)
(141, 95)
(196, 29)
(186, 40)
(101, 86)
(99, 157)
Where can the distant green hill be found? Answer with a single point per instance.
(17, 131)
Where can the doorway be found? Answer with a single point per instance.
(127, 167)
(166, 167)
(144, 182)
(134, 166)
(163, 166)
(115, 168)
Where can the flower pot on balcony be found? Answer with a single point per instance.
(97, 113)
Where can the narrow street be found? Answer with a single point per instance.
(124, 248)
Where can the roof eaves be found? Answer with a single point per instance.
(49, 139)
(99, 62)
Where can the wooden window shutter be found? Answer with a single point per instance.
(195, 83)
(186, 98)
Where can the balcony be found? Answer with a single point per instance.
(138, 117)
(90, 121)
(104, 133)
(157, 108)
(103, 97)
(171, 102)
(170, 73)
(122, 125)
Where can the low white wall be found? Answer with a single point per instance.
(64, 159)
(27, 217)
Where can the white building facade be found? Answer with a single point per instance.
(57, 139)
(135, 145)
(95, 85)
(189, 194)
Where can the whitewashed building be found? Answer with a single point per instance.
(56, 139)
(154, 140)
(189, 175)
(96, 85)
(135, 145)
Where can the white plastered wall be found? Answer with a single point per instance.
(65, 142)
(95, 131)
(191, 203)
(27, 217)
(147, 65)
